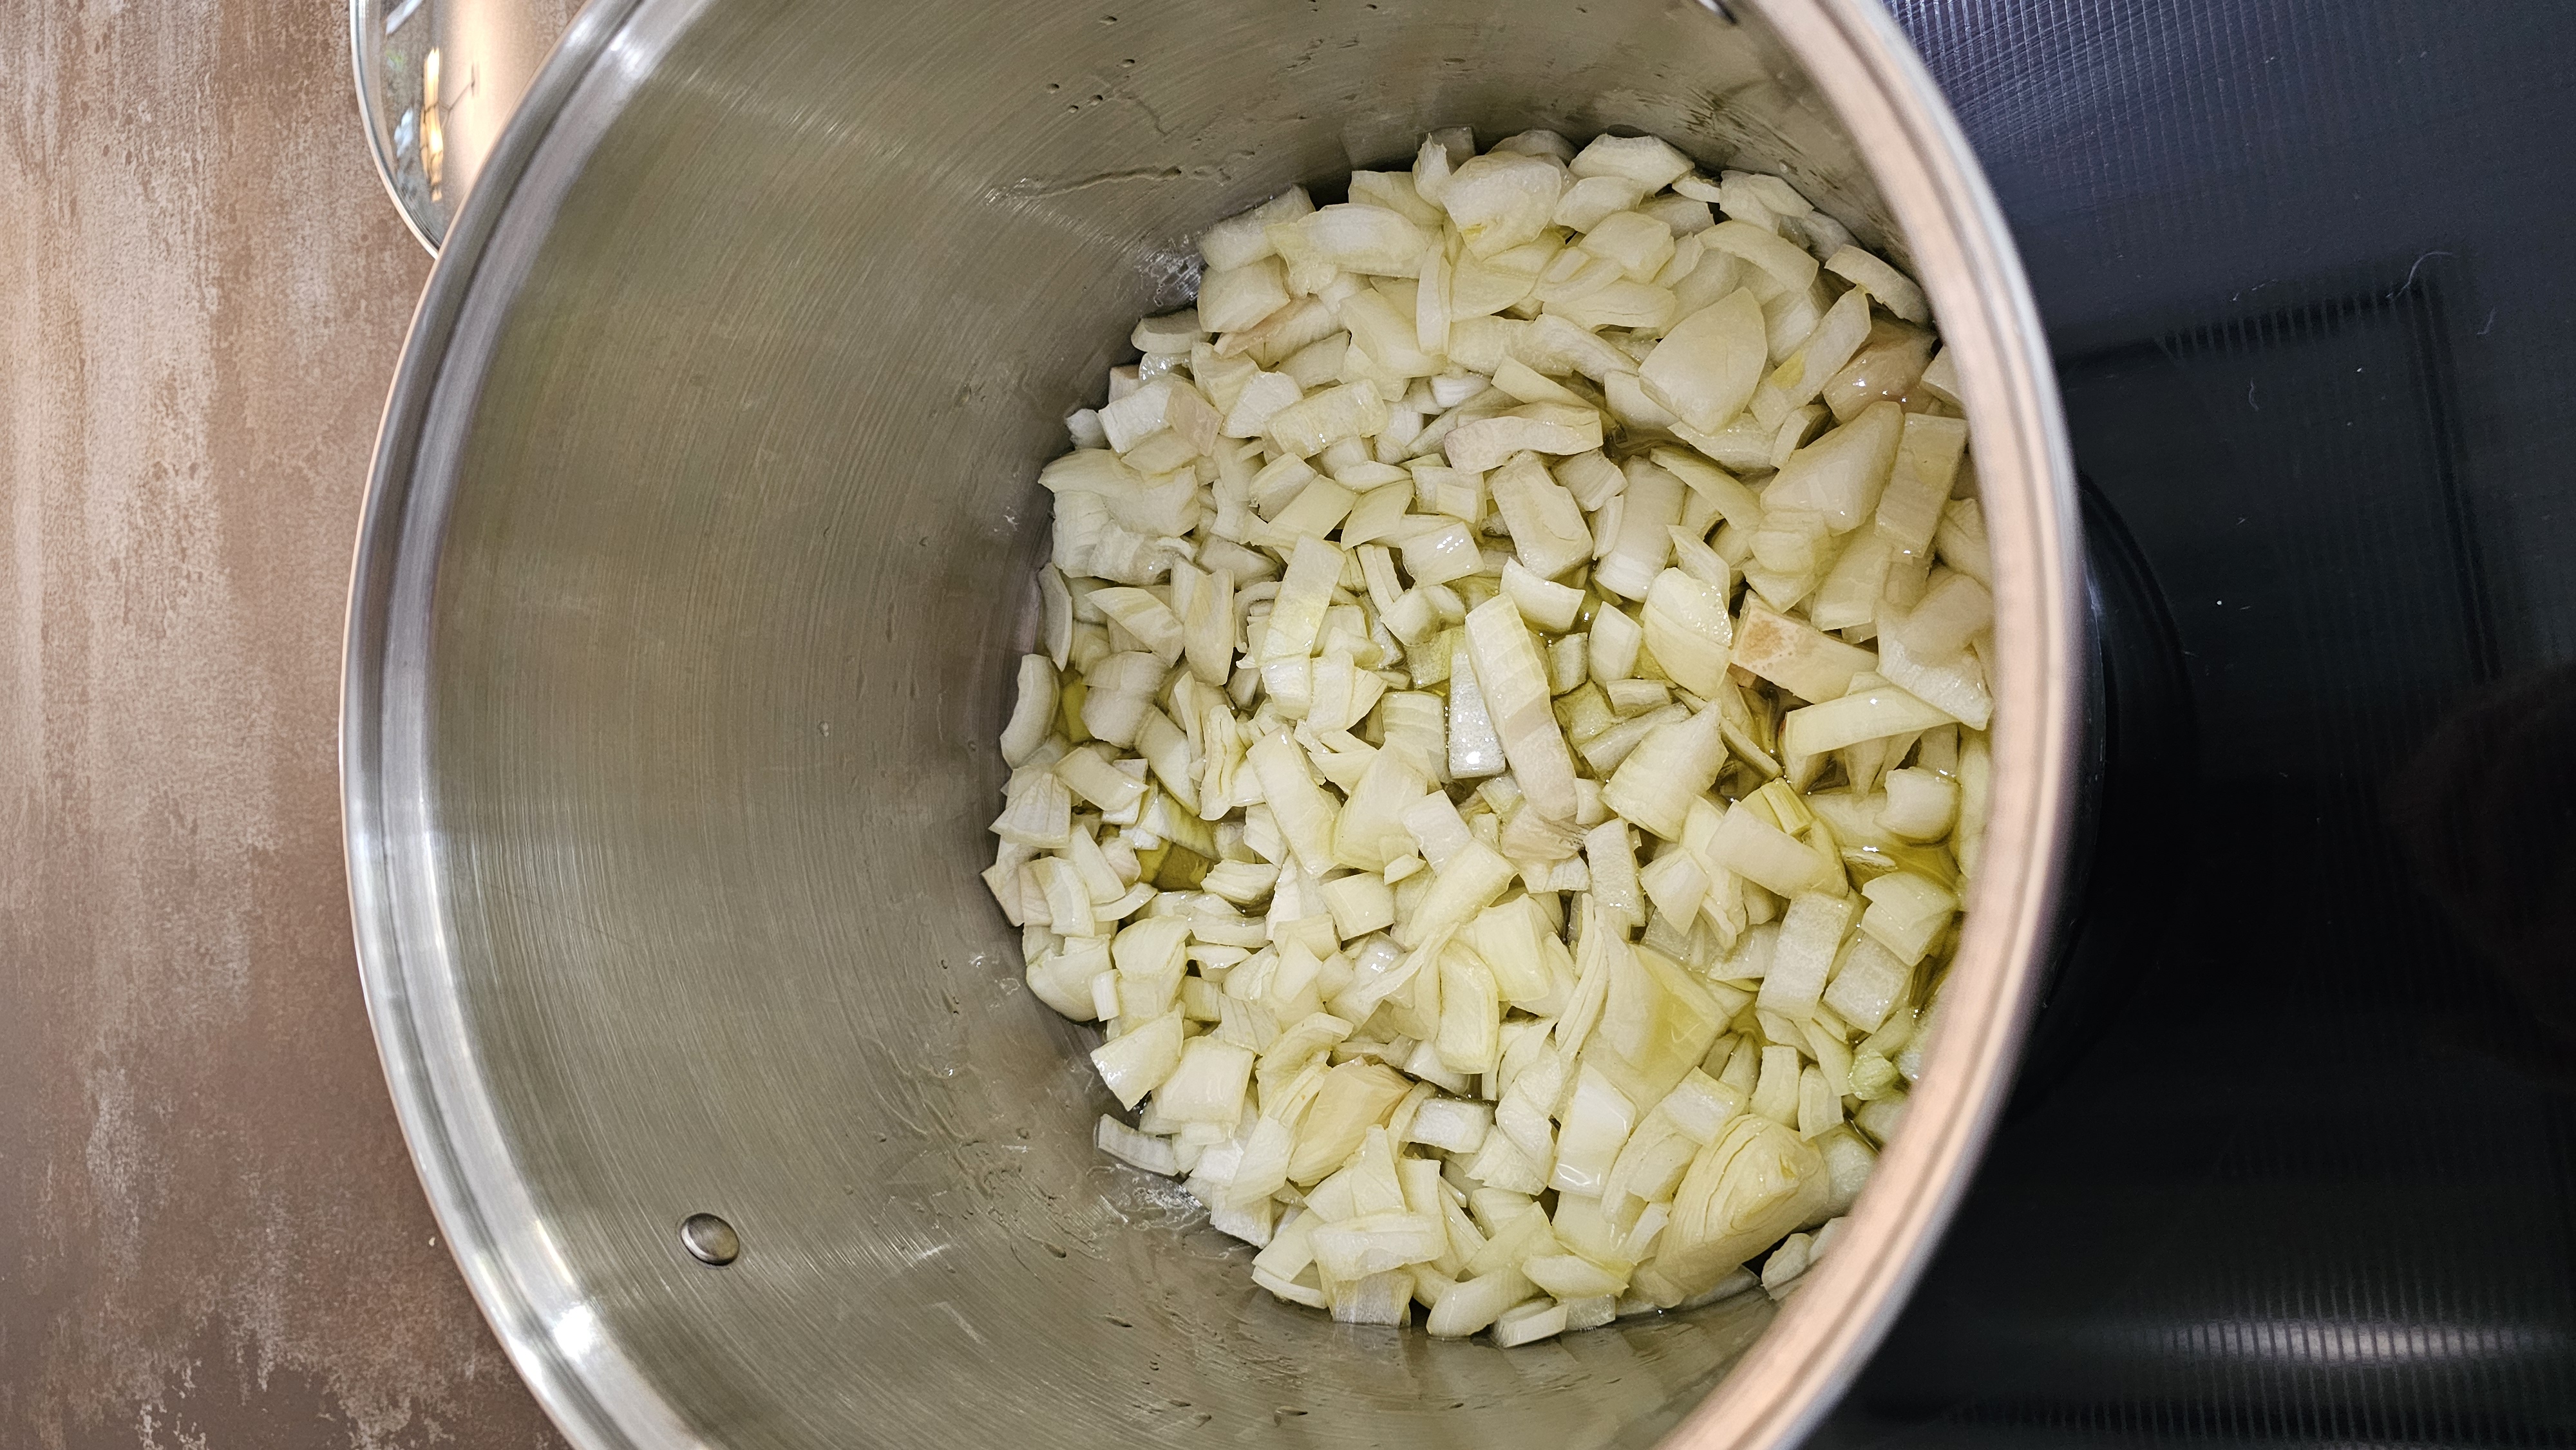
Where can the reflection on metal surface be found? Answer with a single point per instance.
(437, 80)
(433, 132)
(2487, 813)
(718, 428)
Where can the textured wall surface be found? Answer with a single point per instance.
(214, 1237)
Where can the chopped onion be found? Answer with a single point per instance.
(1377, 710)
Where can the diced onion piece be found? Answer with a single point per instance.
(1952, 612)
(1650, 161)
(1146, 617)
(1614, 641)
(1687, 629)
(1670, 768)
(1927, 463)
(1297, 611)
(1375, 1243)
(1136, 1062)
(1548, 605)
(1708, 364)
(1885, 369)
(1475, 742)
(1512, 678)
(1471, 1014)
(1260, 401)
(1234, 298)
(1962, 540)
(1205, 604)
(1357, 237)
(1377, 1299)
(1906, 912)
(1850, 596)
(1837, 336)
(1775, 1095)
(1921, 804)
(1359, 904)
(1728, 496)
(1893, 289)
(1355, 1097)
(1242, 239)
(1537, 427)
(1868, 984)
(1784, 261)
(1304, 811)
(1094, 779)
(1811, 935)
(1547, 527)
(1797, 657)
(1841, 474)
(1207, 1086)
(1368, 830)
(1675, 882)
(1571, 1276)
(1525, 384)
(1868, 712)
(1164, 403)
(1498, 201)
(1638, 243)
(1477, 1302)
(1140, 1150)
(1648, 507)
(1880, 1117)
(1762, 853)
(1520, 948)
(1312, 423)
(1941, 379)
(1451, 1125)
(1441, 555)
(1613, 861)
(1033, 713)
(1593, 197)
(1470, 882)
(1819, 1106)
(1745, 1191)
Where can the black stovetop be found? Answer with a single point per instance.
(2298, 1164)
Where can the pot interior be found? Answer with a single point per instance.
(730, 558)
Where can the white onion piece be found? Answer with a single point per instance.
(1890, 288)
(1708, 365)
(1546, 525)
(1513, 681)
(1498, 201)
(1688, 630)
(1648, 507)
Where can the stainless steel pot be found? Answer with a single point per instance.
(697, 547)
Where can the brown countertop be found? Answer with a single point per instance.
(215, 1237)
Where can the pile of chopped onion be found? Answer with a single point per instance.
(1509, 740)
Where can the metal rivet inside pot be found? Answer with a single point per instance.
(709, 1239)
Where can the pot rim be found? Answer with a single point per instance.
(1964, 258)
(1899, 124)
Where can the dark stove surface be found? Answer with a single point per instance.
(2309, 1178)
